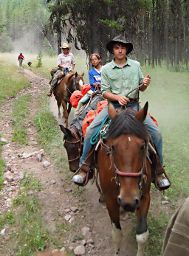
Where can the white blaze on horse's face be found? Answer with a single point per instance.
(129, 138)
(81, 82)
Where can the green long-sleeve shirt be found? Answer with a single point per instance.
(121, 80)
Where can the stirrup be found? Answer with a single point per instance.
(163, 184)
(88, 176)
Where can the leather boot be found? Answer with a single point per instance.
(161, 180)
(83, 175)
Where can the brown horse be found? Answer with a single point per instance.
(62, 92)
(125, 172)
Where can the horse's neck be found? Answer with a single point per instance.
(71, 85)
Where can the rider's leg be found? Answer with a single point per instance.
(80, 177)
(54, 81)
(82, 101)
(162, 181)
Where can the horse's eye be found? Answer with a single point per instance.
(142, 147)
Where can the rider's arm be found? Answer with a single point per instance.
(59, 62)
(73, 61)
(106, 90)
(91, 77)
(146, 83)
(73, 66)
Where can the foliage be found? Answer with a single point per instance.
(20, 112)
(159, 29)
(24, 22)
(5, 42)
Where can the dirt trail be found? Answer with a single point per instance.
(56, 196)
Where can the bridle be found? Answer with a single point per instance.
(78, 141)
(74, 87)
(124, 173)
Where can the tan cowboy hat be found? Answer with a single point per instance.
(119, 40)
(65, 46)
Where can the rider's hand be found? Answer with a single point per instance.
(146, 81)
(122, 100)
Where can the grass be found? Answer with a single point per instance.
(24, 220)
(168, 98)
(20, 112)
(156, 228)
(7, 219)
(30, 234)
(11, 80)
(49, 135)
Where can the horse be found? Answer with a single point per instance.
(62, 92)
(124, 169)
(125, 172)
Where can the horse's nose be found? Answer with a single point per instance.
(128, 205)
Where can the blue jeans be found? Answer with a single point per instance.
(94, 126)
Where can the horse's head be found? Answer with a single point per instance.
(72, 144)
(79, 82)
(128, 141)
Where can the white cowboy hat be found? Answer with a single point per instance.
(65, 46)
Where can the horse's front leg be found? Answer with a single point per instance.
(69, 108)
(58, 104)
(113, 210)
(65, 113)
(142, 232)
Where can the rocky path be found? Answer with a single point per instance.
(89, 229)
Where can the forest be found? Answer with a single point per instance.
(159, 29)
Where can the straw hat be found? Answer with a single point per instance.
(65, 46)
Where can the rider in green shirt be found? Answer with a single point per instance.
(122, 79)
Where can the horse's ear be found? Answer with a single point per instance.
(141, 114)
(82, 74)
(76, 74)
(65, 130)
(111, 111)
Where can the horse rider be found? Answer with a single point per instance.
(20, 59)
(94, 78)
(65, 63)
(118, 78)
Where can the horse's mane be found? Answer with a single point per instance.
(68, 77)
(126, 123)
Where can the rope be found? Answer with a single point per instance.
(94, 138)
